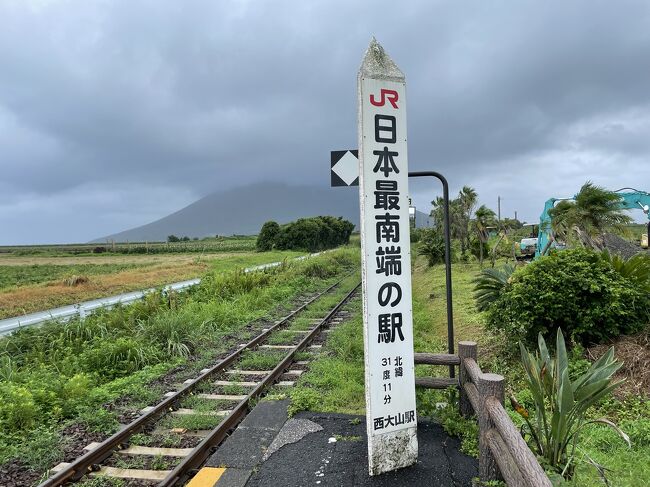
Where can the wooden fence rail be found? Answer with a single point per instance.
(503, 453)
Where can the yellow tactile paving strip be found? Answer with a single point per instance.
(207, 477)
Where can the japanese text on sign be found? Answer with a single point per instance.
(386, 245)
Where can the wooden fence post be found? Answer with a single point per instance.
(465, 350)
(488, 385)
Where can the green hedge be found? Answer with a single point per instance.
(312, 234)
(576, 290)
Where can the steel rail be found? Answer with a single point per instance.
(87, 462)
(203, 450)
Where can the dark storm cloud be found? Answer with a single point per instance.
(115, 113)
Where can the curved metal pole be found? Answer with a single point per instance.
(450, 313)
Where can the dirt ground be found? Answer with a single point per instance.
(634, 352)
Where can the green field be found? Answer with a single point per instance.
(240, 243)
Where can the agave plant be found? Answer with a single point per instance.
(561, 404)
(489, 285)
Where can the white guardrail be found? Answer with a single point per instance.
(65, 313)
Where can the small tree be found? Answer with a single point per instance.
(173, 238)
(594, 211)
(484, 217)
(266, 239)
(432, 246)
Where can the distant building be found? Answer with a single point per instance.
(422, 220)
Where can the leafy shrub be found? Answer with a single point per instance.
(432, 246)
(475, 248)
(267, 236)
(18, 410)
(312, 234)
(74, 390)
(572, 289)
(416, 234)
(303, 400)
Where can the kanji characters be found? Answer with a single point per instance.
(386, 195)
(389, 261)
(387, 228)
(390, 327)
(385, 161)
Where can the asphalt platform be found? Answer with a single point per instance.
(328, 450)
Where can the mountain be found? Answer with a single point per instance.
(243, 210)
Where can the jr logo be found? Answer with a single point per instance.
(390, 95)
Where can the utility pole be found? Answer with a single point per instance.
(499, 209)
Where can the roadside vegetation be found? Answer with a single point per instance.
(69, 375)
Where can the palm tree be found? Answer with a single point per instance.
(483, 218)
(438, 212)
(467, 199)
(594, 211)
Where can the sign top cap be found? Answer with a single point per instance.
(377, 64)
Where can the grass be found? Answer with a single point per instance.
(204, 405)
(260, 360)
(335, 380)
(101, 482)
(283, 337)
(12, 276)
(56, 374)
(192, 422)
(430, 304)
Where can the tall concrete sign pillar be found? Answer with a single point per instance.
(386, 264)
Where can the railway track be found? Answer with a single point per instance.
(250, 384)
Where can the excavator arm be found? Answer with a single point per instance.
(544, 236)
(631, 199)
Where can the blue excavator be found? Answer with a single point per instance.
(631, 199)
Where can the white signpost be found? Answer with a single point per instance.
(386, 268)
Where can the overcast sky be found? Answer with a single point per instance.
(115, 113)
